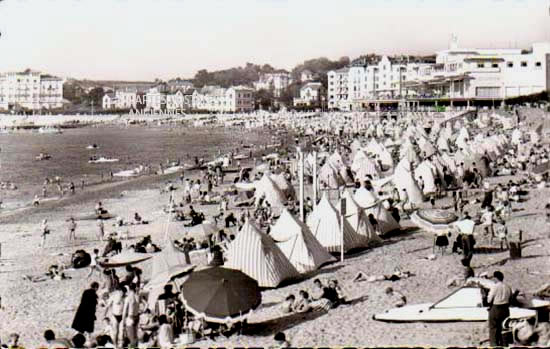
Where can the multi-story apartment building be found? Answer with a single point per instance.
(227, 100)
(338, 89)
(30, 90)
(276, 82)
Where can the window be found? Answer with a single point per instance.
(524, 64)
(538, 64)
(510, 64)
(480, 65)
(494, 65)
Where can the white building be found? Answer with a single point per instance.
(338, 88)
(311, 94)
(121, 99)
(30, 90)
(485, 74)
(108, 101)
(218, 99)
(276, 82)
(369, 79)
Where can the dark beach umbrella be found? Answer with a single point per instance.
(220, 295)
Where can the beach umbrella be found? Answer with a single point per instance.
(466, 226)
(220, 295)
(201, 231)
(433, 219)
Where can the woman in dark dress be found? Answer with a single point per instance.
(84, 318)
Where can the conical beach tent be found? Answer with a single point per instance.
(368, 201)
(403, 179)
(256, 254)
(298, 243)
(324, 223)
(357, 218)
(273, 195)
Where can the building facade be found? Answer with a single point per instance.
(486, 74)
(30, 90)
(312, 94)
(121, 99)
(225, 100)
(457, 76)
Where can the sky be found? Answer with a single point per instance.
(148, 39)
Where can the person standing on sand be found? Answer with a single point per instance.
(499, 298)
(72, 228)
(101, 231)
(84, 318)
(130, 314)
(45, 231)
(93, 263)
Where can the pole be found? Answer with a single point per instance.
(301, 175)
(342, 239)
(342, 217)
(314, 178)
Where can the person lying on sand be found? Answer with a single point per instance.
(396, 275)
(54, 273)
(397, 299)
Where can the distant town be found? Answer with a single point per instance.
(454, 77)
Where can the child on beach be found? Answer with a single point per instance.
(72, 228)
(93, 263)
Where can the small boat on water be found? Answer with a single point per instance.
(100, 160)
(49, 129)
(43, 156)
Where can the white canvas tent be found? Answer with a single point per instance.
(256, 254)
(357, 218)
(370, 203)
(273, 194)
(403, 179)
(297, 242)
(324, 223)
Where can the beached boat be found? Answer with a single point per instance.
(43, 156)
(170, 170)
(240, 157)
(100, 160)
(123, 259)
(463, 304)
(95, 216)
(52, 130)
(92, 146)
(129, 173)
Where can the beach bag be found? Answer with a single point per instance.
(80, 259)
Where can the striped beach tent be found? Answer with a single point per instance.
(256, 254)
(357, 218)
(324, 223)
(369, 202)
(298, 244)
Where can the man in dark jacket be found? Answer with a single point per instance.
(84, 318)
